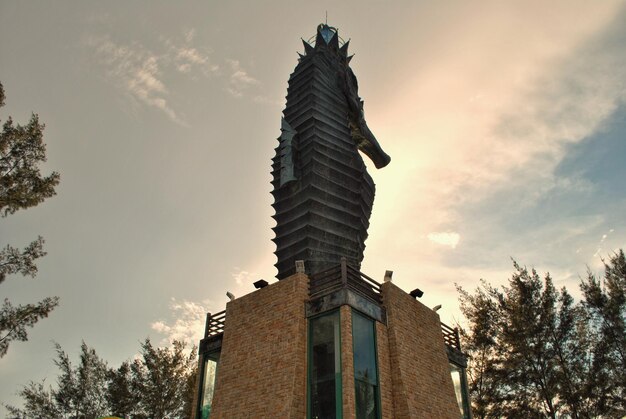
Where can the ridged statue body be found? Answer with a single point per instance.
(323, 195)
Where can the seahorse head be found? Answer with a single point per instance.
(327, 41)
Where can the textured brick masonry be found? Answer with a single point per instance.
(262, 371)
(420, 374)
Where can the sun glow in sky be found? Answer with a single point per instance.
(505, 122)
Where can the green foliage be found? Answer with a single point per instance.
(22, 150)
(13, 261)
(481, 343)
(534, 352)
(80, 391)
(38, 403)
(161, 380)
(15, 320)
(22, 186)
(120, 396)
(605, 307)
(160, 384)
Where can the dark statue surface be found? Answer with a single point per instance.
(323, 195)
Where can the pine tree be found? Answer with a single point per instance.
(80, 392)
(122, 402)
(161, 380)
(159, 384)
(534, 353)
(22, 186)
(605, 306)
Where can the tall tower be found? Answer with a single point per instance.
(323, 195)
(327, 341)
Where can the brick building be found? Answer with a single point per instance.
(333, 345)
(327, 341)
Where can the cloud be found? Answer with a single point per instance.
(534, 99)
(189, 34)
(142, 72)
(187, 323)
(476, 137)
(600, 250)
(239, 79)
(264, 100)
(136, 70)
(449, 239)
(187, 318)
(242, 277)
(185, 57)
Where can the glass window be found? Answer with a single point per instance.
(460, 389)
(324, 367)
(365, 371)
(208, 384)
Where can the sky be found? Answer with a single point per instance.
(505, 122)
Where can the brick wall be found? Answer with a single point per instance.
(347, 365)
(420, 375)
(196, 391)
(262, 371)
(384, 372)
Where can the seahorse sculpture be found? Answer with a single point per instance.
(323, 195)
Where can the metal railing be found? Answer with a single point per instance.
(451, 336)
(344, 276)
(214, 324)
(334, 279)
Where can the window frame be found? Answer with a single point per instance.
(338, 372)
(377, 399)
(207, 356)
(464, 403)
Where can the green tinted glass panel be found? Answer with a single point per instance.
(456, 380)
(460, 389)
(364, 349)
(325, 366)
(366, 400)
(365, 370)
(208, 384)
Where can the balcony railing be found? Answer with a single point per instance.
(329, 281)
(214, 324)
(344, 276)
(451, 336)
